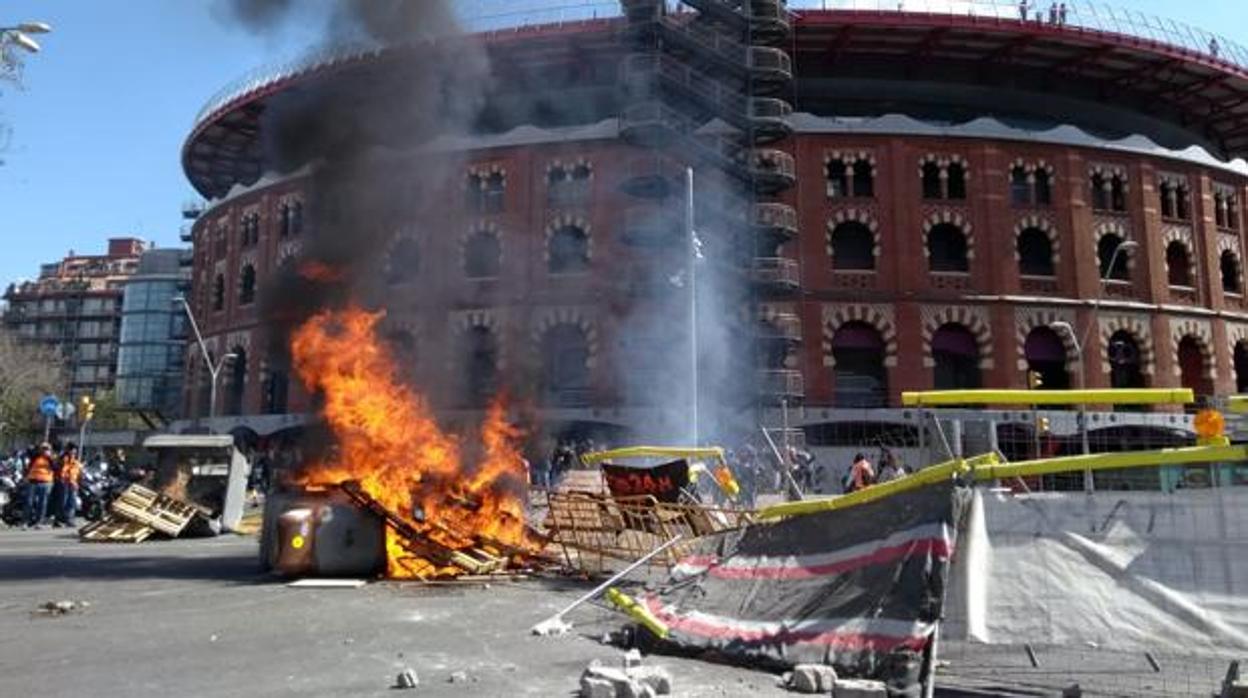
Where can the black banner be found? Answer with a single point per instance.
(860, 588)
(663, 482)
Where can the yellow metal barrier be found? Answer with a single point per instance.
(1237, 404)
(989, 467)
(1190, 455)
(926, 476)
(1138, 396)
(598, 457)
(638, 612)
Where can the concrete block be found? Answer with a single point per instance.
(813, 678)
(632, 658)
(859, 688)
(592, 687)
(1239, 689)
(657, 678)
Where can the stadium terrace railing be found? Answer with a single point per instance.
(517, 15)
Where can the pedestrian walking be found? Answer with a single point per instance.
(40, 473)
(1052, 13)
(71, 471)
(1023, 10)
(1061, 14)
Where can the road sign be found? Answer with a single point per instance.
(65, 410)
(49, 405)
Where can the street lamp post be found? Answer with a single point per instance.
(214, 370)
(1081, 341)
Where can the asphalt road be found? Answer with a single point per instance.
(194, 618)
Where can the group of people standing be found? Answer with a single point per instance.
(1057, 12)
(52, 485)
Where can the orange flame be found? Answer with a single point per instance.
(389, 442)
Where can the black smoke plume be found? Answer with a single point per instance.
(358, 132)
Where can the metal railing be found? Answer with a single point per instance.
(489, 16)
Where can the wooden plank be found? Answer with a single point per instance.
(115, 530)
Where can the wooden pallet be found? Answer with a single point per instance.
(165, 514)
(114, 529)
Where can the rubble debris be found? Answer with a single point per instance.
(859, 688)
(458, 677)
(632, 658)
(657, 678)
(407, 679)
(63, 607)
(552, 627)
(636, 681)
(812, 678)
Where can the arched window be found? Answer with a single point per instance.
(1241, 367)
(1020, 186)
(474, 193)
(495, 191)
(247, 285)
(1118, 193)
(1169, 203)
(1044, 187)
(864, 179)
(1046, 355)
(276, 391)
(238, 382)
(957, 181)
(1178, 265)
(1105, 254)
(853, 247)
(947, 248)
(1191, 358)
(404, 262)
(1035, 253)
(859, 375)
(565, 366)
(1229, 264)
(838, 179)
(569, 250)
(1124, 361)
(480, 367)
(482, 255)
(932, 188)
(218, 292)
(1100, 192)
(955, 354)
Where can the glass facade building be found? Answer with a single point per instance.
(153, 335)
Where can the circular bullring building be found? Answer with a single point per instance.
(885, 199)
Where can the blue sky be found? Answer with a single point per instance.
(98, 126)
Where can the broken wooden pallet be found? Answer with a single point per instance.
(165, 514)
(115, 529)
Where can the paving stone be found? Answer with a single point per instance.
(592, 687)
(859, 688)
(813, 678)
(656, 677)
(407, 679)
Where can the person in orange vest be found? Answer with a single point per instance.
(71, 470)
(40, 473)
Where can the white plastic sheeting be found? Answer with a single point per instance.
(1135, 571)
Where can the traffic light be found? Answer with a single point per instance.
(88, 408)
(1035, 381)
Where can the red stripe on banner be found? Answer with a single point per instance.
(875, 642)
(938, 547)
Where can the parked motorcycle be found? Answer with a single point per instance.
(97, 488)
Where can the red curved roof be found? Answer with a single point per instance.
(1162, 77)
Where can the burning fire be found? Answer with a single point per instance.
(389, 442)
